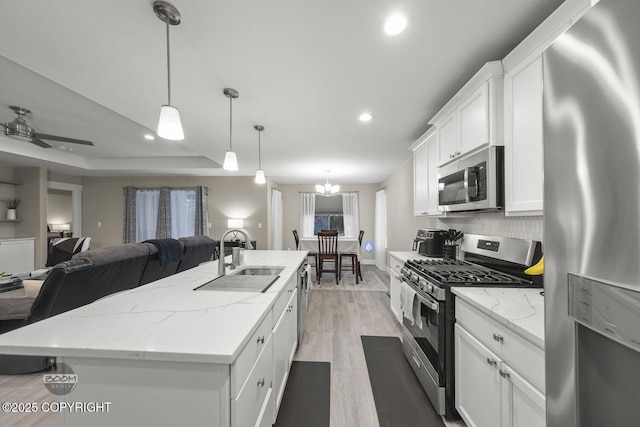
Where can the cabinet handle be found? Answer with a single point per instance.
(261, 382)
(505, 374)
(290, 308)
(492, 362)
(498, 338)
(416, 360)
(451, 156)
(457, 153)
(260, 340)
(290, 290)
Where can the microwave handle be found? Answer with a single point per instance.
(471, 183)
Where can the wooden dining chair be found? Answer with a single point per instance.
(312, 254)
(328, 252)
(355, 260)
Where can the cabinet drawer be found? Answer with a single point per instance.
(251, 402)
(247, 358)
(396, 264)
(283, 299)
(519, 353)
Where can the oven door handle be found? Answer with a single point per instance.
(433, 305)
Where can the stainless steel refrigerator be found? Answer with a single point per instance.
(592, 219)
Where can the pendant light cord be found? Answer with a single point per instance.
(259, 152)
(168, 65)
(230, 121)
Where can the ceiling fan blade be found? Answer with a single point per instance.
(62, 139)
(39, 142)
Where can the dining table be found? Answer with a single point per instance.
(345, 244)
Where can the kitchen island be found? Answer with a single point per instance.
(164, 354)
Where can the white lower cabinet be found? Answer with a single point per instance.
(395, 286)
(499, 376)
(478, 393)
(254, 403)
(285, 337)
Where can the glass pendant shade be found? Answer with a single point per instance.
(260, 178)
(230, 161)
(169, 124)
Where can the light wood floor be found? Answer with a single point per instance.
(335, 320)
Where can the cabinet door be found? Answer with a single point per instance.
(523, 139)
(280, 357)
(448, 137)
(474, 120)
(292, 327)
(478, 393)
(522, 404)
(432, 175)
(17, 256)
(420, 197)
(248, 408)
(394, 294)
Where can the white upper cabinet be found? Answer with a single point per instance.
(473, 117)
(524, 139)
(425, 177)
(523, 120)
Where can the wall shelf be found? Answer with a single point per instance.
(10, 220)
(4, 181)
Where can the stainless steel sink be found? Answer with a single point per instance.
(258, 271)
(247, 279)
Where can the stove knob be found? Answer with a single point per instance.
(414, 278)
(404, 271)
(429, 287)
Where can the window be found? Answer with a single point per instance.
(329, 214)
(158, 213)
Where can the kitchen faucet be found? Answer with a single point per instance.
(221, 263)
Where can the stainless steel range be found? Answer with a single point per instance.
(428, 306)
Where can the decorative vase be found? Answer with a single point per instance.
(11, 214)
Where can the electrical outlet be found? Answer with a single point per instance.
(99, 223)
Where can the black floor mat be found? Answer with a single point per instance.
(399, 397)
(306, 399)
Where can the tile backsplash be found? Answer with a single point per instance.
(496, 224)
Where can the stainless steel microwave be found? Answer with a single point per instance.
(473, 183)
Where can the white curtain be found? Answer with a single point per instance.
(350, 214)
(277, 220)
(307, 214)
(380, 237)
(183, 213)
(146, 214)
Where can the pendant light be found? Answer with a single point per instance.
(260, 179)
(169, 124)
(230, 158)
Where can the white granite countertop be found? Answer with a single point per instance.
(164, 320)
(519, 309)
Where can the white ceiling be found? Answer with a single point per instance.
(304, 69)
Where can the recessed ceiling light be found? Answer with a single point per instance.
(149, 137)
(365, 117)
(395, 24)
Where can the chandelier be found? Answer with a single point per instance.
(327, 188)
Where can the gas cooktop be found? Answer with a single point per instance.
(461, 273)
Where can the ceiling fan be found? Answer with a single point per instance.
(19, 129)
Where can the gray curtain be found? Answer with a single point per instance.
(163, 229)
(202, 212)
(129, 214)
